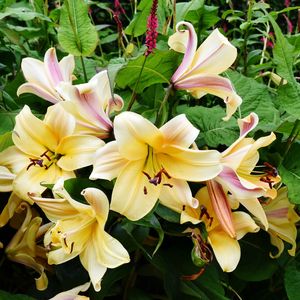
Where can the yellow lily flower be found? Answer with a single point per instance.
(239, 178)
(226, 248)
(199, 69)
(282, 217)
(79, 230)
(91, 104)
(23, 248)
(44, 77)
(152, 163)
(46, 150)
(6, 179)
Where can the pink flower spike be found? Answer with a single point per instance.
(289, 24)
(152, 25)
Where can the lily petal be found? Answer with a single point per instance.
(226, 249)
(32, 135)
(133, 133)
(78, 151)
(179, 131)
(136, 202)
(6, 179)
(243, 224)
(189, 53)
(67, 66)
(108, 162)
(192, 165)
(52, 67)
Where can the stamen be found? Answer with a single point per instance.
(204, 212)
(145, 191)
(168, 184)
(65, 242)
(72, 246)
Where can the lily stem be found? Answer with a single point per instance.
(291, 139)
(133, 95)
(83, 68)
(163, 103)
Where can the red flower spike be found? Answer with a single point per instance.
(152, 24)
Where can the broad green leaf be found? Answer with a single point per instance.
(22, 14)
(76, 33)
(138, 25)
(158, 68)
(289, 97)
(7, 121)
(292, 280)
(256, 98)
(167, 214)
(7, 296)
(289, 171)
(5, 141)
(113, 68)
(284, 55)
(255, 263)
(213, 130)
(186, 10)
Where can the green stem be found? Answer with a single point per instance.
(133, 95)
(163, 103)
(291, 139)
(83, 68)
(174, 15)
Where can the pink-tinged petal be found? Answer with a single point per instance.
(73, 293)
(190, 214)
(221, 207)
(99, 203)
(108, 162)
(13, 159)
(115, 103)
(67, 66)
(6, 179)
(179, 131)
(189, 53)
(232, 182)
(133, 196)
(178, 41)
(133, 134)
(226, 249)
(234, 155)
(247, 124)
(77, 151)
(214, 56)
(176, 195)
(199, 84)
(192, 165)
(109, 251)
(89, 261)
(35, 73)
(61, 122)
(52, 67)
(31, 135)
(243, 224)
(276, 242)
(38, 90)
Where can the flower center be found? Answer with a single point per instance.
(46, 160)
(158, 177)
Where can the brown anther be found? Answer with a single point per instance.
(168, 184)
(203, 212)
(65, 242)
(145, 191)
(45, 155)
(183, 207)
(72, 247)
(267, 180)
(35, 162)
(271, 171)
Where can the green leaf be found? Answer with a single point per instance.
(255, 263)
(167, 214)
(76, 33)
(138, 25)
(22, 14)
(289, 171)
(5, 141)
(213, 130)
(7, 121)
(292, 280)
(158, 68)
(187, 10)
(7, 296)
(256, 98)
(289, 97)
(284, 55)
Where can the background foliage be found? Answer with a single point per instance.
(160, 252)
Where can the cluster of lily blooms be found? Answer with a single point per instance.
(149, 164)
